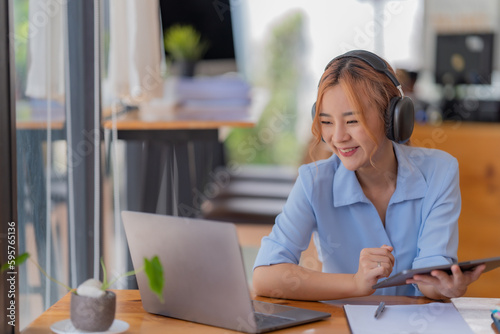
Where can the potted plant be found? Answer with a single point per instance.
(92, 304)
(184, 44)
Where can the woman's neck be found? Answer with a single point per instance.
(379, 182)
(384, 171)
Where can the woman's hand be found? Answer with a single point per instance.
(449, 286)
(374, 263)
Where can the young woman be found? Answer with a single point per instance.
(374, 208)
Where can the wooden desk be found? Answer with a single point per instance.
(129, 309)
(132, 121)
(39, 125)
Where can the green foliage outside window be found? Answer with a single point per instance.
(273, 140)
(20, 39)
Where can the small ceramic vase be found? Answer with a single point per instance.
(186, 68)
(93, 314)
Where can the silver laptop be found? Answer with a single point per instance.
(205, 278)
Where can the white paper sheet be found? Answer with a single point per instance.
(439, 318)
(477, 312)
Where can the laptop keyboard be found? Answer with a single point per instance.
(267, 320)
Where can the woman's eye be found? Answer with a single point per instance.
(352, 121)
(326, 122)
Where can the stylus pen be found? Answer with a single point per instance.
(379, 310)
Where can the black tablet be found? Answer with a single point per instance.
(401, 277)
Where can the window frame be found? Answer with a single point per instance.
(8, 174)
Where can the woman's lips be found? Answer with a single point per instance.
(348, 151)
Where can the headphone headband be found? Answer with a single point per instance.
(371, 59)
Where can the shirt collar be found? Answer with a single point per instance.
(346, 188)
(410, 182)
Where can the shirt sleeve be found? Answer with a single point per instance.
(438, 236)
(292, 230)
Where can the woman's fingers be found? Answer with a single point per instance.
(377, 262)
(423, 279)
(453, 285)
(389, 248)
(372, 252)
(474, 274)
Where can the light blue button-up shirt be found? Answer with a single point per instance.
(327, 201)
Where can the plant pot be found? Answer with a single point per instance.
(93, 314)
(186, 67)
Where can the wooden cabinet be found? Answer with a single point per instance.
(477, 148)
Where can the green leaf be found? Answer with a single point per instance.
(183, 42)
(154, 271)
(18, 260)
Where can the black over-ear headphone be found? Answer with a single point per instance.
(400, 114)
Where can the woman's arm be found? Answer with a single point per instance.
(291, 281)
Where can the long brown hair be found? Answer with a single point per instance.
(363, 86)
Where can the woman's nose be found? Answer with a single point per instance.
(340, 133)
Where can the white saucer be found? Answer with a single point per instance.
(65, 327)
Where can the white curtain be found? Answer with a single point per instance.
(136, 50)
(136, 59)
(45, 50)
(46, 81)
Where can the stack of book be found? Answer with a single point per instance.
(201, 98)
(212, 98)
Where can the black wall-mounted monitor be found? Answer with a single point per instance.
(464, 58)
(211, 18)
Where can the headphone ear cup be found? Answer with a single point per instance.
(389, 118)
(400, 118)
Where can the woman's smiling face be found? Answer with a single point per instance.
(345, 135)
